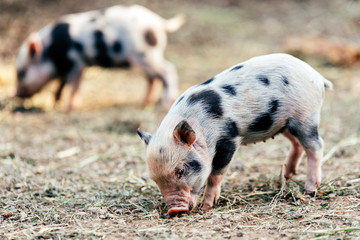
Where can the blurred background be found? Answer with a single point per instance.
(55, 166)
(217, 34)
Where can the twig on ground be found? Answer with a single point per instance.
(282, 188)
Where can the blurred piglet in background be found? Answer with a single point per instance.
(247, 103)
(114, 37)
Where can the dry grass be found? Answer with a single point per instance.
(82, 175)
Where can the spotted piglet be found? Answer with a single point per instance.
(250, 102)
(114, 37)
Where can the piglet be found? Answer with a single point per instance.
(250, 102)
(117, 36)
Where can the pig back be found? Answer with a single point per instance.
(258, 95)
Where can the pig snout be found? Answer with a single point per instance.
(177, 210)
(28, 90)
(178, 202)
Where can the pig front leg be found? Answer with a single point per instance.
(212, 191)
(225, 149)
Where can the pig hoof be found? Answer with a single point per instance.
(311, 189)
(288, 175)
(206, 207)
(177, 210)
(313, 193)
(310, 193)
(289, 172)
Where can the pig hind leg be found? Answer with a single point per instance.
(157, 68)
(293, 159)
(168, 75)
(314, 170)
(150, 97)
(307, 134)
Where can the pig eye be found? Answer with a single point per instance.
(180, 172)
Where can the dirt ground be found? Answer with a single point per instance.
(82, 175)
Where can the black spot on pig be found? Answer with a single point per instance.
(225, 147)
(224, 151)
(179, 100)
(58, 49)
(261, 123)
(210, 100)
(150, 38)
(208, 81)
(313, 133)
(124, 64)
(236, 68)
(78, 47)
(229, 90)
(194, 165)
(161, 150)
(231, 129)
(285, 80)
(292, 124)
(102, 57)
(265, 120)
(273, 106)
(306, 133)
(263, 79)
(117, 47)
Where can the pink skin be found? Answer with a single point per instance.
(293, 158)
(36, 76)
(314, 170)
(212, 191)
(314, 163)
(178, 198)
(75, 99)
(181, 201)
(151, 97)
(182, 206)
(28, 90)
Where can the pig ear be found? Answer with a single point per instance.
(146, 137)
(184, 133)
(35, 46)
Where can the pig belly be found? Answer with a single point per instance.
(248, 137)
